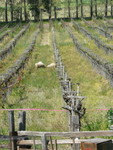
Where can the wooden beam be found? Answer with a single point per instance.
(68, 134)
(38, 142)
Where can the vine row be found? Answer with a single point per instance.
(8, 49)
(19, 64)
(98, 42)
(102, 66)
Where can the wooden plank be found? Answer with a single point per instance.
(68, 134)
(63, 141)
(4, 146)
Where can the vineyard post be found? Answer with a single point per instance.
(69, 13)
(22, 121)
(55, 13)
(6, 12)
(44, 142)
(106, 7)
(81, 1)
(111, 8)
(96, 8)
(77, 9)
(12, 132)
(91, 8)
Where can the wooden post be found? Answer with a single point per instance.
(11, 7)
(81, 1)
(52, 147)
(76, 8)
(12, 132)
(21, 10)
(11, 121)
(96, 8)
(22, 121)
(55, 12)
(69, 14)
(111, 8)
(56, 146)
(6, 12)
(91, 8)
(106, 7)
(25, 12)
(44, 142)
(50, 9)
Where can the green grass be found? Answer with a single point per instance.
(93, 86)
(97, 34)
(88, 43)
(21, 45)
(40, 88)
(11, 35)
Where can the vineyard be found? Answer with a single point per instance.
(75, 94)
(80, 86)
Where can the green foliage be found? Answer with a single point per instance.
(110, 116)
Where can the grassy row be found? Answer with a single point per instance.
(93, 86)
(86, 42)
(21, 45)
(97, 34)
(39, 88)
(11, 35)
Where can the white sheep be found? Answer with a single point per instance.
(40, 64)
(51, 65)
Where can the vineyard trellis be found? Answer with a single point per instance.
(101, 65)
(15, 69)
(99, 29)
(7, 50)
(72, 99)
(108, 48)
(24, 140)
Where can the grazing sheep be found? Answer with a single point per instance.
(51, 65)
(40, 65)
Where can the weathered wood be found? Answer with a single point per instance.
(12, 132)
(11, 121)
(69, 13)
(6, 11)
(22, 121)
(34, 143)
(77, 9)
(51, 142)
(38, 142)
(81, 1)
(56, 146)
(91, 8)
(4, 146)
(68, 134)
(44, 142)
(106, 8)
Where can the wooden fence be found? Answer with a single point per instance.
(24, 140)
